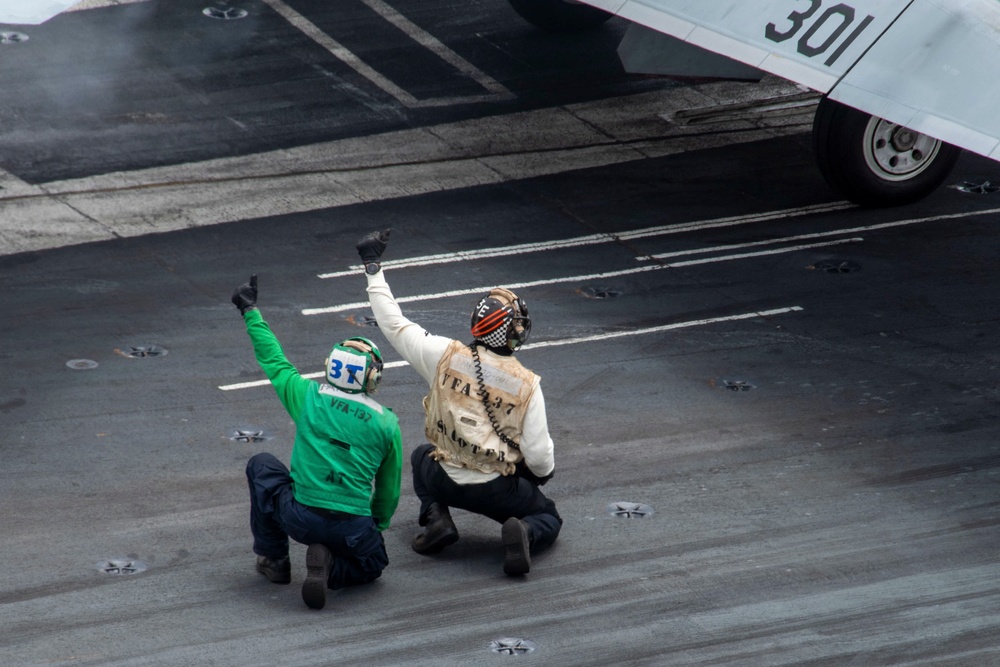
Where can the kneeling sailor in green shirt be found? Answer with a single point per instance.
(346, 465)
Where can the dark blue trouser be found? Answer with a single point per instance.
(498, 499)
(357, 547)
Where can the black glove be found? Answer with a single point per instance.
(372, 246)
(522, 470)
(245, 296)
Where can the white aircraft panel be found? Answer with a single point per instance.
(937, 71)
(817, 40)
(794, 70)
(657, 20)
(31, 12)
(611, 6)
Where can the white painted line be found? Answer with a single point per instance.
(497, 91)
(342, 53)
(429, 42)
(575, 341)
(837, 232)
(311, 376)
(775, 251)
(665, 327)
(569, 279)
(736, 246)
(593, 239)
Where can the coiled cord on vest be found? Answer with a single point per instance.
(486, 404)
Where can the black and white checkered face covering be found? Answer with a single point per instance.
(498, 337)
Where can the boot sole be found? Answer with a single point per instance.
(517, 559)
(317, 571)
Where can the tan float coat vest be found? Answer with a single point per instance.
(456, 421)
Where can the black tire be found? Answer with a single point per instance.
(559, 15)
(876, 163)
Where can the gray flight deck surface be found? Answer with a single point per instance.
(804, 393)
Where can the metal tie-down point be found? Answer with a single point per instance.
(142, 351)
(512, 646)
(836, 266)
(983, 187)
(224, 13)
(121, 566)
(599, 292)
(248, 436)
(627, 510)
(81, 364)
(736, 385)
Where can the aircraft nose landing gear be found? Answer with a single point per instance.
(874, 162)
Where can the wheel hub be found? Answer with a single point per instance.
(904, 139)
(897, 153)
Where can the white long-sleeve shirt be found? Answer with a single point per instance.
(423, 351)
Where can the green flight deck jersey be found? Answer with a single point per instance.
(348, 451)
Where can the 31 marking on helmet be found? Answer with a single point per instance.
(629, 510)
(512, 646)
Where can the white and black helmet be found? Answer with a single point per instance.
(500, 320)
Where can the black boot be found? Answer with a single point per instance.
(278, 570)
(516, 536)
(318, 560)
(440, 531)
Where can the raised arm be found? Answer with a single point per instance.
(421, 349)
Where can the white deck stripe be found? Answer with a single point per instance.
(497, 91)
(340, 52)
(346, 56)
(578, 340)
(593, 239)
(435, 46)
(838, 232)
(569, 279)
(311, 376)
(665, 327)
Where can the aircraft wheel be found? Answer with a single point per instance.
(873, 162)
(559, 15)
